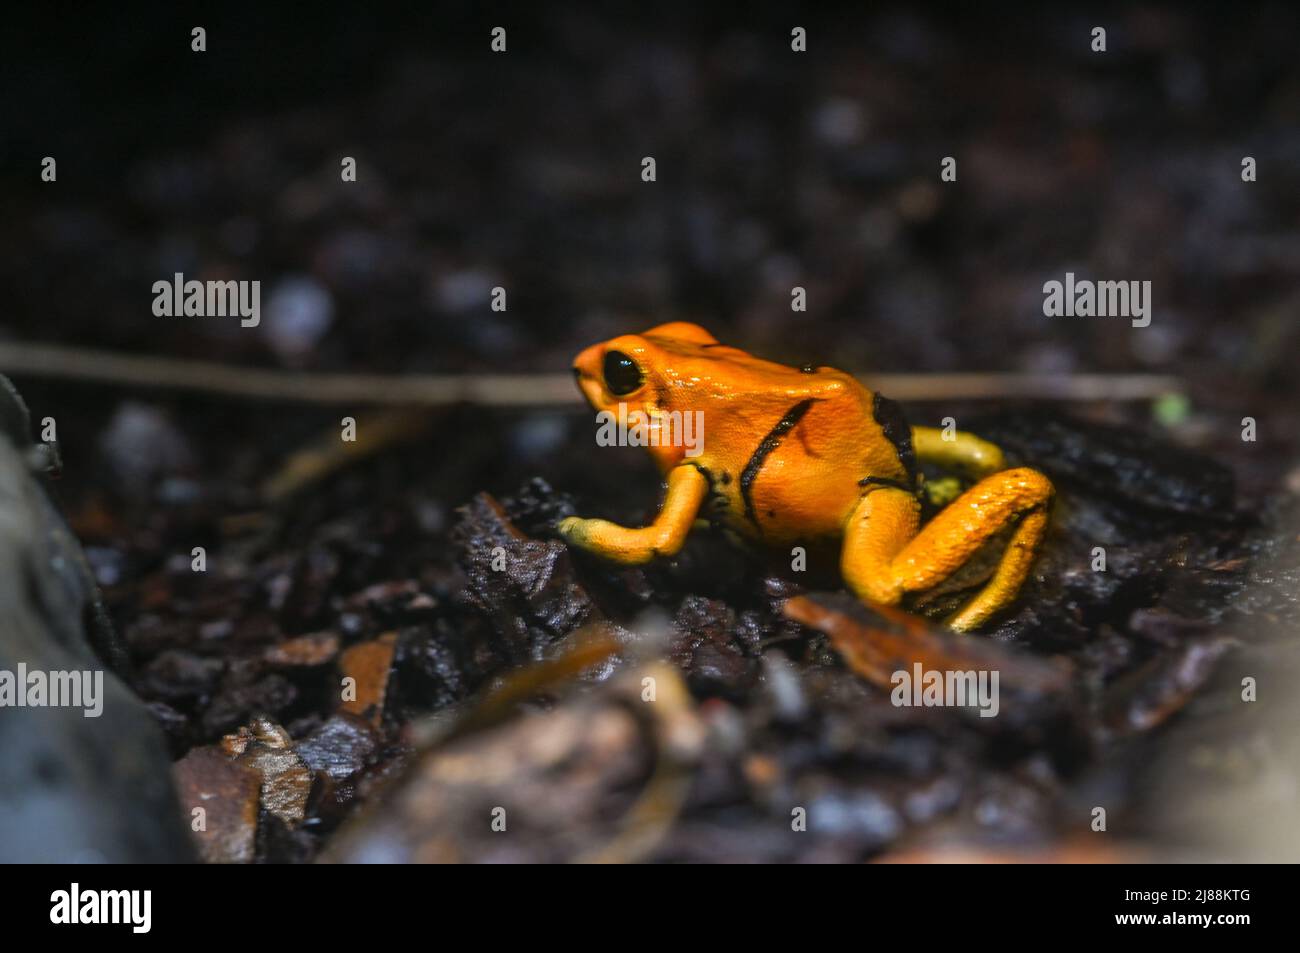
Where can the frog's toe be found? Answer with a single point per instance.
(570, 529)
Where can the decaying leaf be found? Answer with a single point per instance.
(285, 779)
(368, 664)
(219, 800)
(878, 641)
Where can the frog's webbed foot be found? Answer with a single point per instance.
(884, 556)
(687, 487)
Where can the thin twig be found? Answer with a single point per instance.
(107, 367)
(509, 390)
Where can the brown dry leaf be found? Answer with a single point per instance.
(227, 792)
(369, 665)
(878, 641)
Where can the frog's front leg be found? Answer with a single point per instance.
(884, 557)
(687, 488)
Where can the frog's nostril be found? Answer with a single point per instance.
(577, 373)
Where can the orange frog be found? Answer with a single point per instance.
(804, 456)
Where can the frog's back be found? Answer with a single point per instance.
(790, 451)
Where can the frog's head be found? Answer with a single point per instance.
(636, 369)
(642, 372)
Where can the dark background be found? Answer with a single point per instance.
(775, 169)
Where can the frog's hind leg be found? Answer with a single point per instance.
(957, 450)
(881, 525)
(884, 557)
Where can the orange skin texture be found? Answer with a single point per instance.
(797, 456)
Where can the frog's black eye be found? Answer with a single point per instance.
(622, 375)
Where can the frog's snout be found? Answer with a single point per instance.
(586, 374)
(582, 384)
(587, 364)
